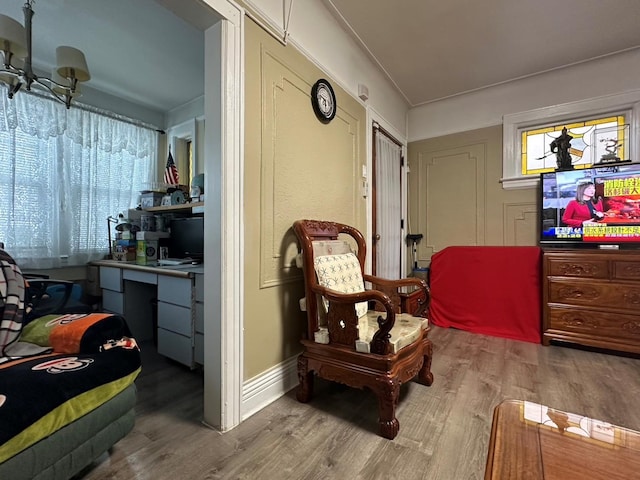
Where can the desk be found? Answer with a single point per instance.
(531, 441)
(133, 290)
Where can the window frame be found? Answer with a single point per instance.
(627, 103)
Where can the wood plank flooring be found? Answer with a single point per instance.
(444, 429)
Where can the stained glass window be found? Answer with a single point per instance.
(594, 140)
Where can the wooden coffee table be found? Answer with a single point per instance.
(532, 441)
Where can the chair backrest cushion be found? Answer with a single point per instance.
(342, 274)
(330, 247)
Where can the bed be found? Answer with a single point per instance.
(67, 391)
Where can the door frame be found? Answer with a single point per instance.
(224, 243)
(375, 126)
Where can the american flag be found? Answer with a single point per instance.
(171, 172)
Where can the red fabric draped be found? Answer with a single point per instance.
(489, 290)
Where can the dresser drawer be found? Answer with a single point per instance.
(593, 322)
(623, 270)
(584, 268)
(596, 294)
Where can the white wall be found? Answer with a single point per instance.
(484, 108)
(313, 28)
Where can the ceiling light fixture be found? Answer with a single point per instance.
(15, 44)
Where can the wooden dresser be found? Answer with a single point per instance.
(592, 297)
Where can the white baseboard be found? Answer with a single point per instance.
(267, 387)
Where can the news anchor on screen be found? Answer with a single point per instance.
(584, 208)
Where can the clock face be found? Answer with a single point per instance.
(323, 100)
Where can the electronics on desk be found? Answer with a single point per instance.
(147, 245)
(174, 261)
(187, 238)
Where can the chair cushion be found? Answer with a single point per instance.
(330, 247)
(405, 331)
(342, 274)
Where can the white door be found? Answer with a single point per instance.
(387, 205)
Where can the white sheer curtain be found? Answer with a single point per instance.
(62, 173)
(388, 207)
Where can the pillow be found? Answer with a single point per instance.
(75, 332)
(330, 247)
(342, 274)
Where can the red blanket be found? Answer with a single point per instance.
(489, 290)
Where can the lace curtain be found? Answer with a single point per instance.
(62, 173)
(388, 207)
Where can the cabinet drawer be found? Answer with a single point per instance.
(175, 318)
(199, 287)
(113, 301)
(111, 278)
(596, 294)
(626, 270)
(199, 349)
(176, 347)
(140, 277)
(200, 317)
(175, 290)
(593, 322)
(585, 268)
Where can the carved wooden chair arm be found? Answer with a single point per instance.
(403, 282)
(392, 287)
(334, 297)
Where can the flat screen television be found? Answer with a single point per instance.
(611, 217)
(187, 238)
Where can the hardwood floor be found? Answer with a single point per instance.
(444, 429)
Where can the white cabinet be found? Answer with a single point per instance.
(176, 316)
(112, 295)
(179, 294)
(199, 323)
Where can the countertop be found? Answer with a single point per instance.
(186, 270)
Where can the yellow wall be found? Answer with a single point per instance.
(295, 167)
(456, 198)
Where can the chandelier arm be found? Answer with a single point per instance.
(26, 77)
(66, 98)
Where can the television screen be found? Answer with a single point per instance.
(594, 205)
(187, 238)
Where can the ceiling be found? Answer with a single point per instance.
(433, 49)
(138, 50)
(151, 52)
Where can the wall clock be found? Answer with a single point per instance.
(323, 100)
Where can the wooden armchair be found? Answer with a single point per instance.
(378, 348)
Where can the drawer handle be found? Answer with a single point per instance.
(577, 269)
(570, 321)
(632, 270)
(632, 327)
(632, 298)
(577, 293)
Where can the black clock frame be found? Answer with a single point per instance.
(316, 106)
